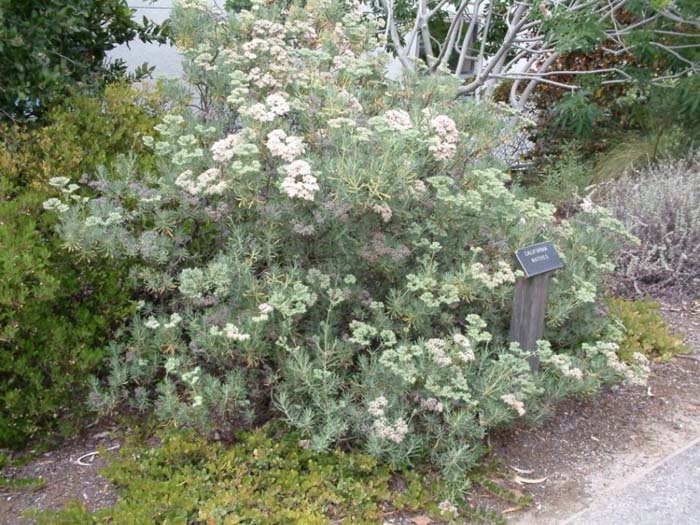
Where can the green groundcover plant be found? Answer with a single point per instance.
(334, 247)
(266, 478)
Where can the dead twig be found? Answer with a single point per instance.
(81, 459)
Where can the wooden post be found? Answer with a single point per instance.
(527, 319)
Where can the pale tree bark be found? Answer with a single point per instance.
(525, 53)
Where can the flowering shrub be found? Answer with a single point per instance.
(338, 243)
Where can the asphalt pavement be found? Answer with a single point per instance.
(667, 493)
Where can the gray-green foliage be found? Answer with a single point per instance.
(661, 206)
(334, 244)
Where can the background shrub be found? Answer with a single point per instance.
(56, 312)
(48, 48)
(645, 330)
(661, 206)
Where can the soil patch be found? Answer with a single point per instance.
(66, 477)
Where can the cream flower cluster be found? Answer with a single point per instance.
(446, 137)
(383, 429)
(55, 204)
(466, 353)
(377, 406)
(276, 105)
(154, 324)
(514, 403)
(398, 120)
(447, 507)
(636, 373)
(286, 147)
(384, 211)
(437, 348)
(208, 183)
(563, 364)
(504, 274)
(299, 182)
(431, 404)
(224, 149)
(264, 310)
(230, 331)
(395, 432)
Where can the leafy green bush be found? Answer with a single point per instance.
(661, 206)
(645, 330)
(264, 479)
(56, 312)
(562, 181)
(48, 47)
(330, 242)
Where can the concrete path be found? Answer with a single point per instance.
(667, 493)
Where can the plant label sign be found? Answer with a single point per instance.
(539, 258)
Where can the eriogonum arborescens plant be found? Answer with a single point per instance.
(335, 248)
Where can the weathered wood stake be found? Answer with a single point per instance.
(527, 319)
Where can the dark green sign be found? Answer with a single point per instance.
(539, 258)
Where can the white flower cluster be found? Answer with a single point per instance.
(563, 364)
(302, 30)
(286, 147)
(638, 371)
(205, 60)
(230, 331)
(398, 120)
(362, 333)
(276, 105)
(349, 101)
(431, 404)
(267, 28)
(340, 122)
(466, 352)
(504, 274)
(514, 403)
(437, 348)
(586, 293)
(383, 429)
(395, 432)
(62, 183)
(377, 406)
(173, 322)
(299, 182)
(54, 204)
(384, 211)
(447, 507)
(208, 183)
(199, 5)
(265, 310)
(223, 150)
(445, 142)
(154, 324)
(113, 217)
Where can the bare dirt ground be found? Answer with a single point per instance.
(587, 447)
(65, 479)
